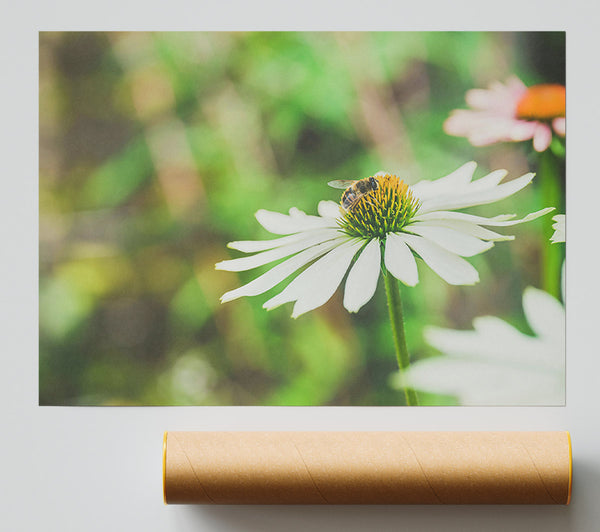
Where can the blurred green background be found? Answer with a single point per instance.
(156, 149)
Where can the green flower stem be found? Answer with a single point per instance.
(392, 291)
(552, 196)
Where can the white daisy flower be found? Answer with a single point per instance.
(382, 221)
(495, 364)
(559, 229)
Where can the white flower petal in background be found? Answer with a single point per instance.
(560, 126)
(542, 137)
(559, 229)
(543, 313)
(496, 364)
(409, 223)
(477, 383)
(560, 236)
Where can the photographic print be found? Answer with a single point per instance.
(302, 218)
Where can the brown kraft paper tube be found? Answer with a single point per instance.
(367, 467)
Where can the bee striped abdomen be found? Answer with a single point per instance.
(348, 198)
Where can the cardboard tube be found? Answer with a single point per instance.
(367, 467)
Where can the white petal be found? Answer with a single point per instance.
(278, 273)
(532, 216)
(560, 126)
(475, 230)
(362, 279)
(477, 383)
(311, 238)
(492, 340)
(542, 137)
(315, 285)
(489, 181)
(480, 98)
(252, 246)
(563, 277)
(522, 130)
(490, 130)
(515, 86)
(329, 209)
(453, 215)
(545, 314)
(462, 121)
(503, 220)
(460, 177)
(559, 229)
(457, 179)
(450, 267)
(399, 260)
(478, 197)
(454, 241)
(296, 221)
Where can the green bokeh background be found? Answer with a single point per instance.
(156, 149)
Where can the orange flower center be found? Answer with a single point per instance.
(542, 102)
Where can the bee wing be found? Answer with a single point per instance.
(342, 183)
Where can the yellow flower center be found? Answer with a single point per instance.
(375, 212)
(542, 102)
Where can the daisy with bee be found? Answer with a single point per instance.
(381, 225)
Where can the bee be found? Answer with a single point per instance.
(354, 189)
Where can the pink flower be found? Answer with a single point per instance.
(510, 112)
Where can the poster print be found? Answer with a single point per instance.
(290, 218)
